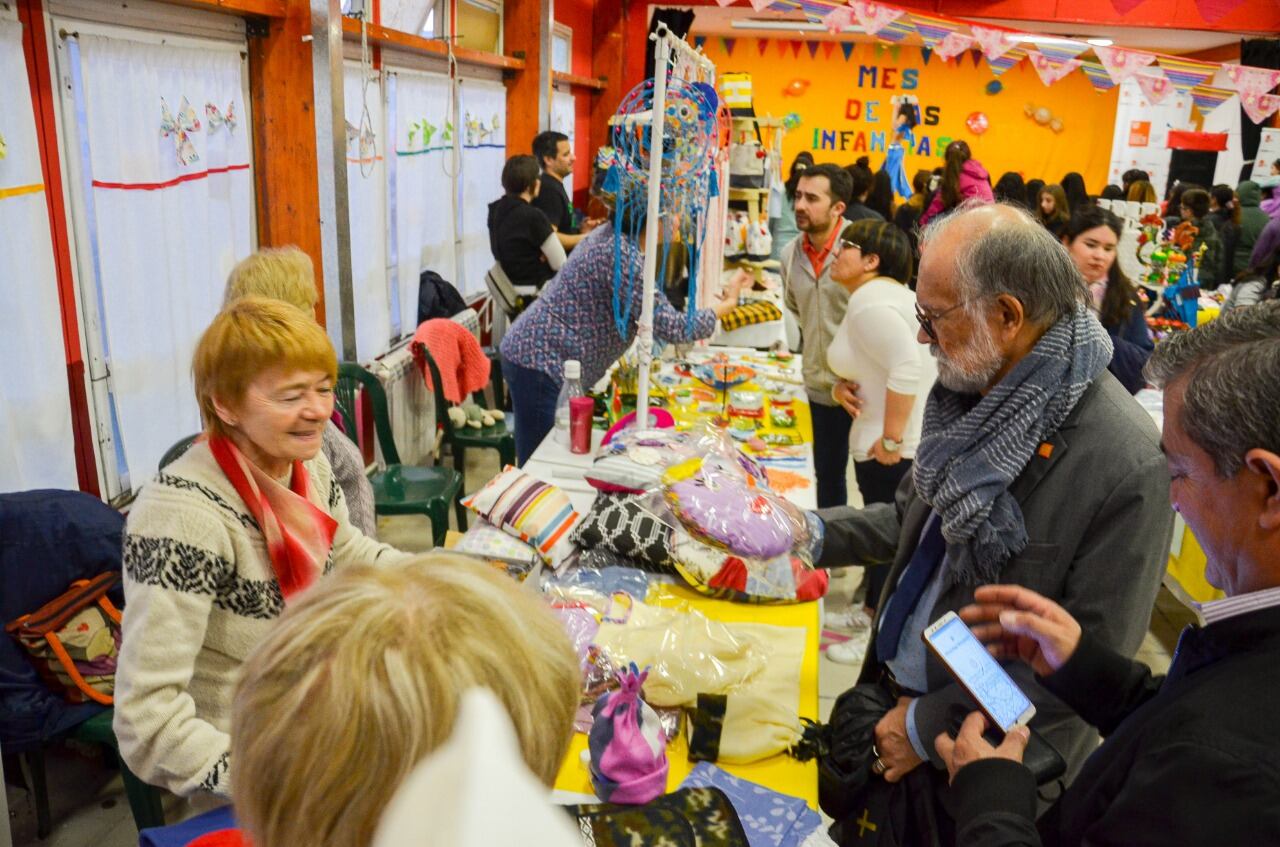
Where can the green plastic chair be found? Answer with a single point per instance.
(400, 489)
(144, 799)
(498, 437)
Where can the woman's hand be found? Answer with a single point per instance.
(729, 293)
(882, 455)
(845, 393)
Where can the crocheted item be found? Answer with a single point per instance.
(464, 368)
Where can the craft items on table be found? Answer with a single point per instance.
(1170, 273)
(627, 743)
(771, 819)
(632, 526)
(486, 541)
(689, 817)
(530, 510)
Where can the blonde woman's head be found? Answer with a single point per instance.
(281, 273)
(361, 679)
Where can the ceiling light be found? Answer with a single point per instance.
(791, 26)
(1051, 39)
(1099, 42)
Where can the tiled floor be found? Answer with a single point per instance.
(88, 802)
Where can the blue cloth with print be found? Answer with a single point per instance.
(769, 818)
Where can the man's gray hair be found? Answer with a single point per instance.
(1232, 399)
(1018, 257)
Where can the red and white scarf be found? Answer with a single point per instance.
(299, 534)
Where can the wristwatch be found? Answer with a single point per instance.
(889, 445)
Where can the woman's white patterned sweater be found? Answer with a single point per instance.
(200, 594)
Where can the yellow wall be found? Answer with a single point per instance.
(956, 88)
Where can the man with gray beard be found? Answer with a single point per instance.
(1036, 468)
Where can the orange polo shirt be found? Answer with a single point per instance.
(818, 258)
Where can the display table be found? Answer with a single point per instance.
(554, 463)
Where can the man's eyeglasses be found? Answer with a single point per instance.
(927, 320)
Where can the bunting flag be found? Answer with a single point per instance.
(838, 19)
(814, 12)
(932, 30)
(1250, 80)
(813, 49)
(1208, 98)
(953, 45)
(1212, 10)
(761, 5)
(897, 31)
(874, 17)
(723, 3)
(1155, 88)
(1061, 53)
(1186, 74)
(795, 48)
(1259, 107)
(699, 40)
(728, 44)
(894, 50)
(827, 47)
(926, 54)
(1051, 70)
(762, 44)
(1098, 75)
(976, 55)
(994, 42)
(1121, 63)
(847, 48)
(782, 48)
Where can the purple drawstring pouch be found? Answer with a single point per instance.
(628, 746)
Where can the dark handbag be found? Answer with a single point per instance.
(437, 298)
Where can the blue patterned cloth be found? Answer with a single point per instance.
(769, 818)
(573, 317)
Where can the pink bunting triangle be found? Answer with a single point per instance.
(1050, 70)
(1213, 10)
(1259, 107)
(1250, 80)
(953, 45)
(874, 17)
(837, 19)
(994, 42)
(1121, 63)
(1155, 88)
(761, 5)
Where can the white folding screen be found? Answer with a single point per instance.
(37, 449)
(166, 134)
(367, 202)
(424, 167)
(484, 150)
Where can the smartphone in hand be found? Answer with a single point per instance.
(991, 687)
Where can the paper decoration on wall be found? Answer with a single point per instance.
(1051, 70)
(180, 128)
(1098, 75)
(1207, 98)
(421, 129)
(994, 87)
(1248, 79)
(873, 17)
(994, 42)
(1155, 88)
(941, 36)
(362, 146)
(1008, 60)
(837, 19)
(847, 48)
(447, 135)
(4, 147)
(897, 32)
(812, 47)
(1186, 74)
(1121, 63)
(217, 119)
(792, 120)
(1259, 107)
(796, 88)
(1043, 117)
(760, 5)
(977, 122)
(1062, 52)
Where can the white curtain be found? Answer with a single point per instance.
(484, 152)
(563, 118)
(367, 202)
(37, 449)
(168, 136)
(424, 220)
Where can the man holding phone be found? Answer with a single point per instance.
(1190, 758)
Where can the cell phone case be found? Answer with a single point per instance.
(1041, 758)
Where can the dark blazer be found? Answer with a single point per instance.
(1098, 516)
(1189, 758)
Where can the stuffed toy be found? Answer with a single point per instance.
(473, 415)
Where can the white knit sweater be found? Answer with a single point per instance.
(200, 594)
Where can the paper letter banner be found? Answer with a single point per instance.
(1155, 88)
(1051, 70)
(1246, 79)
(1259, 107)
(1121, 63)
(1098, 75)
(994, 42)
(838, 18)
(874, 17)
(1186, 74)
(1207, 98)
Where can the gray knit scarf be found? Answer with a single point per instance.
(973, 448)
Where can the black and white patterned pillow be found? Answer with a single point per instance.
(622, 524)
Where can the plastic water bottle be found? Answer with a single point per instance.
(572, 387)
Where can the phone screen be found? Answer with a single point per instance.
(997, 693)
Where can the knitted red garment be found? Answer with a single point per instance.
(464, 367)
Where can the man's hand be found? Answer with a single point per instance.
(846, 394)
(970, 746)
(893, 743)
(590, 224)
(1016, 622)
(882, 455)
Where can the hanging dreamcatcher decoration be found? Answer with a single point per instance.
(690, 139)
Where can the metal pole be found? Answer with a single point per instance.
(644, 334)
(331, 162)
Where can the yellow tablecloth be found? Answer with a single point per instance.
(780, 773)
(1185, 576)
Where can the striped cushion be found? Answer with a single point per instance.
(534, 511)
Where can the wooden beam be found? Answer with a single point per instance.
(260, 8)
(522, 31)
(578, 81)
(284, 138)
(415, 43)
(44, 98)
